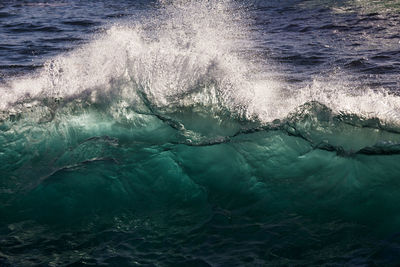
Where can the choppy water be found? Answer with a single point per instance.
(200, 133)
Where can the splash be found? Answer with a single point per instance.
(184, 56)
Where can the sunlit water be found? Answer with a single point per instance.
(199, 133)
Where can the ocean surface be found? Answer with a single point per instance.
(200, 133)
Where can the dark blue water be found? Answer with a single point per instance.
(33, 31)
(199, 133)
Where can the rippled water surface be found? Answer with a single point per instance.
(199, 133)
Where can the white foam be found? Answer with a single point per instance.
(184, 56)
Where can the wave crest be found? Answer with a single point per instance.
(186, 56)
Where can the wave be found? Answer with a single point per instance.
(184, 66)
(166, 131)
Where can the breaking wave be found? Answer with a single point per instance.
(168, 127)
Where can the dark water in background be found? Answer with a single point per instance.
(200, 133)
(33, 31)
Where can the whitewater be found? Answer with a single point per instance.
(166, 139)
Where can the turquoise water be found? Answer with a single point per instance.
(161, 142)
(86, 186)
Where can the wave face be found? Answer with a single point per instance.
(165, 140)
